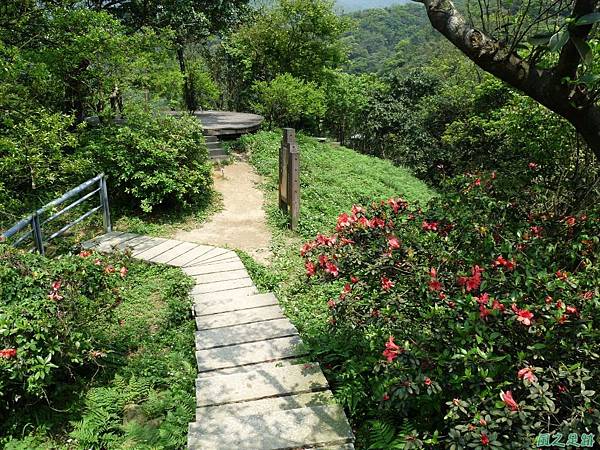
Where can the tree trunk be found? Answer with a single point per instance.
(546, 86)
(189, 94)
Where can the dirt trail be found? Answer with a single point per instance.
(242, 222)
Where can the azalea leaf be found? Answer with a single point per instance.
(590, 79)
(558, 40)
(588, 19)
(584, 50)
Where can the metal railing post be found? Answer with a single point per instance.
(36, 229)
(105, 205)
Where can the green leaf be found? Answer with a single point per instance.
(588, 19)
(584, 50)
(540, 38)
(558, 40)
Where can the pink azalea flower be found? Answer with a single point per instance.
(526, 374)
(508, 400)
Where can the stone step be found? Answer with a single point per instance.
(221, 276)
(265, 405)
(203, 269)
(132, 244)
(223, 259)
(252, 367)
(205, 308)
(242, 334)
(288, 429)
(245, 316)
(259, 384)
(217, 152)
(214, 145)
(223, 295)
(219, 159)
(218, 286)
(209, 138)
(108, 241)
(252, 353)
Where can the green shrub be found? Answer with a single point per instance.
(48, 308)
(289, 102)
(153, 160)
(472, 324)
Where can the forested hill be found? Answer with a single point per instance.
(357, 5)
(388, 38)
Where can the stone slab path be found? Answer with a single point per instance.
(253, 391)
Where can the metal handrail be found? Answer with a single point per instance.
(98, 183)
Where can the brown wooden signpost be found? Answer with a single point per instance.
(289, 177)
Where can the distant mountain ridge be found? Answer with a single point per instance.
(357, 5)
(351, 5)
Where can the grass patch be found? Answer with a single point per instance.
(332, 179)
(141, 395)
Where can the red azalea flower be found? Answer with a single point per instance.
(562, 319)
(526, 374)
(562, 389)
(483, 299)
(484, 312)
(385, 397)
(442, 296)
(533, 166)
(427, 381)
(109, 269)
(393, 243)
(523, 315)
(484, 439)
(310, 268)
(429, 226)
(323, 260)
(386, 283)
(346, 241)
(559, 305)
(462, 281)
(8, 353)
(433, 272)
(331, 304)
(537, 231)
(343, 221)
(435, 285)
(392, 350)
(587, 295)
(55, 296)
(357, 209)
(562, 275)
(123, 272)
(497, 305)
(572, 310)
(451, 305)
(85, 253)
(56, 285)
(571, 221)
(548, 299)
(353, 279)
(493, 175)
(306, 248)
(477, 182)
(376, 222)
(331, 268)
(508, 400)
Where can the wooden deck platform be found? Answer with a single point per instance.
(228, 123)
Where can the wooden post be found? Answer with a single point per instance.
(293, 184)
(289, 177)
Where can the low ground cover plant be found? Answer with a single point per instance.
(95, 352)
(471, 324)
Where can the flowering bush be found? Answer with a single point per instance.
(477, 319)
(49, 315)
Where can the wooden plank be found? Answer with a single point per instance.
(148, 244)
(221, 276)
(157, 250)
(214, 268)
(183, 260)
(111, 244)
(223, 295)
(133, 243)
(214, 252)
(178, 250)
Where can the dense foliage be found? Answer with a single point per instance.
(79, 343)
(474, 322)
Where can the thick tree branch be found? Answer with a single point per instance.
(569, 57)
(546, 86)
